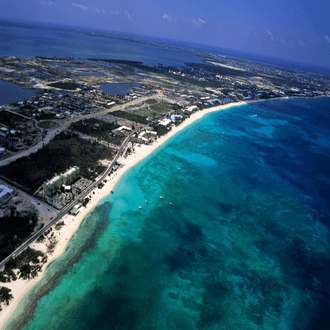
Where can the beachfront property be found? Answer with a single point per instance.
(5, 194)
(165, 122)
(58, 180)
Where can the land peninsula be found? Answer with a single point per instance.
(92, 135)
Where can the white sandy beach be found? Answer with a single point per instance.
(21, 287)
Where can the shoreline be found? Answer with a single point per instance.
(21, 287)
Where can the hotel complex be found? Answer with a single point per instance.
(58, 180)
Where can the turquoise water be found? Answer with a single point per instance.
(244, 244)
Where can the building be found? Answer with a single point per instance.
(58, 180)
(5, 194)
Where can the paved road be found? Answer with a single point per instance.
(52, 133)
(72, 204)
(117, 107)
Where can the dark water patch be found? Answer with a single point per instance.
(11, 93)
(118, 88)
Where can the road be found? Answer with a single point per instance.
(84, 194)
(115, 108)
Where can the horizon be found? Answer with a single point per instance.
(222, 51)
(294, 30)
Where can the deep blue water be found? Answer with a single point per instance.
(10, 93)
(244, 245)
(31, 42)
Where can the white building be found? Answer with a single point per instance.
(5, 194)
(165, 122)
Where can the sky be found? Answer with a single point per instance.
(288, 29)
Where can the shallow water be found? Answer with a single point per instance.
(244, 244)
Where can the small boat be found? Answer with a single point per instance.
(161, 197)
(179, 168)
(188, 162)
(140, 207)
(111, 192)
(146, 201)
(170, 203)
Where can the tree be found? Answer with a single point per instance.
(5, 295)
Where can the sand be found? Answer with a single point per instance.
(21, 287)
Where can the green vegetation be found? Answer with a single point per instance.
(19, 225)
(85, 201)
(161, 130)
(5, 295)
(64, 151)
(23, 263)
(66, 85)
(155, 110)
(129, 116)
(94, 127)
(59, 225)
(10, 119)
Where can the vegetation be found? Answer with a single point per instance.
(10, 119)
(19, 225)
(66, 85)
(85, 201)
(161, 130)
(94, 127)
(23, 263)
(64, 151)
(155, 110)
(5, 295)
(129, 116)
(59, 225)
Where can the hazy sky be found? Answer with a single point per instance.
(291, 29)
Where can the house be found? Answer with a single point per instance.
(5, 194)
(165, 122)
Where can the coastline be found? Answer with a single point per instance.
(21, 287)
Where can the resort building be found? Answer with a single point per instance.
(5, 194)
(58, 180)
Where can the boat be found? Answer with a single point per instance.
(140, 207)
(161, 197)
(146, 201)
(188, 162)
(179, 168)
(111, 192)
(170, 203)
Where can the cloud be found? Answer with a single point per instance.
(128, 15)
(48, 4)
(199, 22)
(301, 43)
(100, 11)
(82, 7)
(114, 12)
(168, 18)
(327, 38)
(270, 35)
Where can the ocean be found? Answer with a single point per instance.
(244, 245)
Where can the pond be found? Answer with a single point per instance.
(120, 89)
(10, 93)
